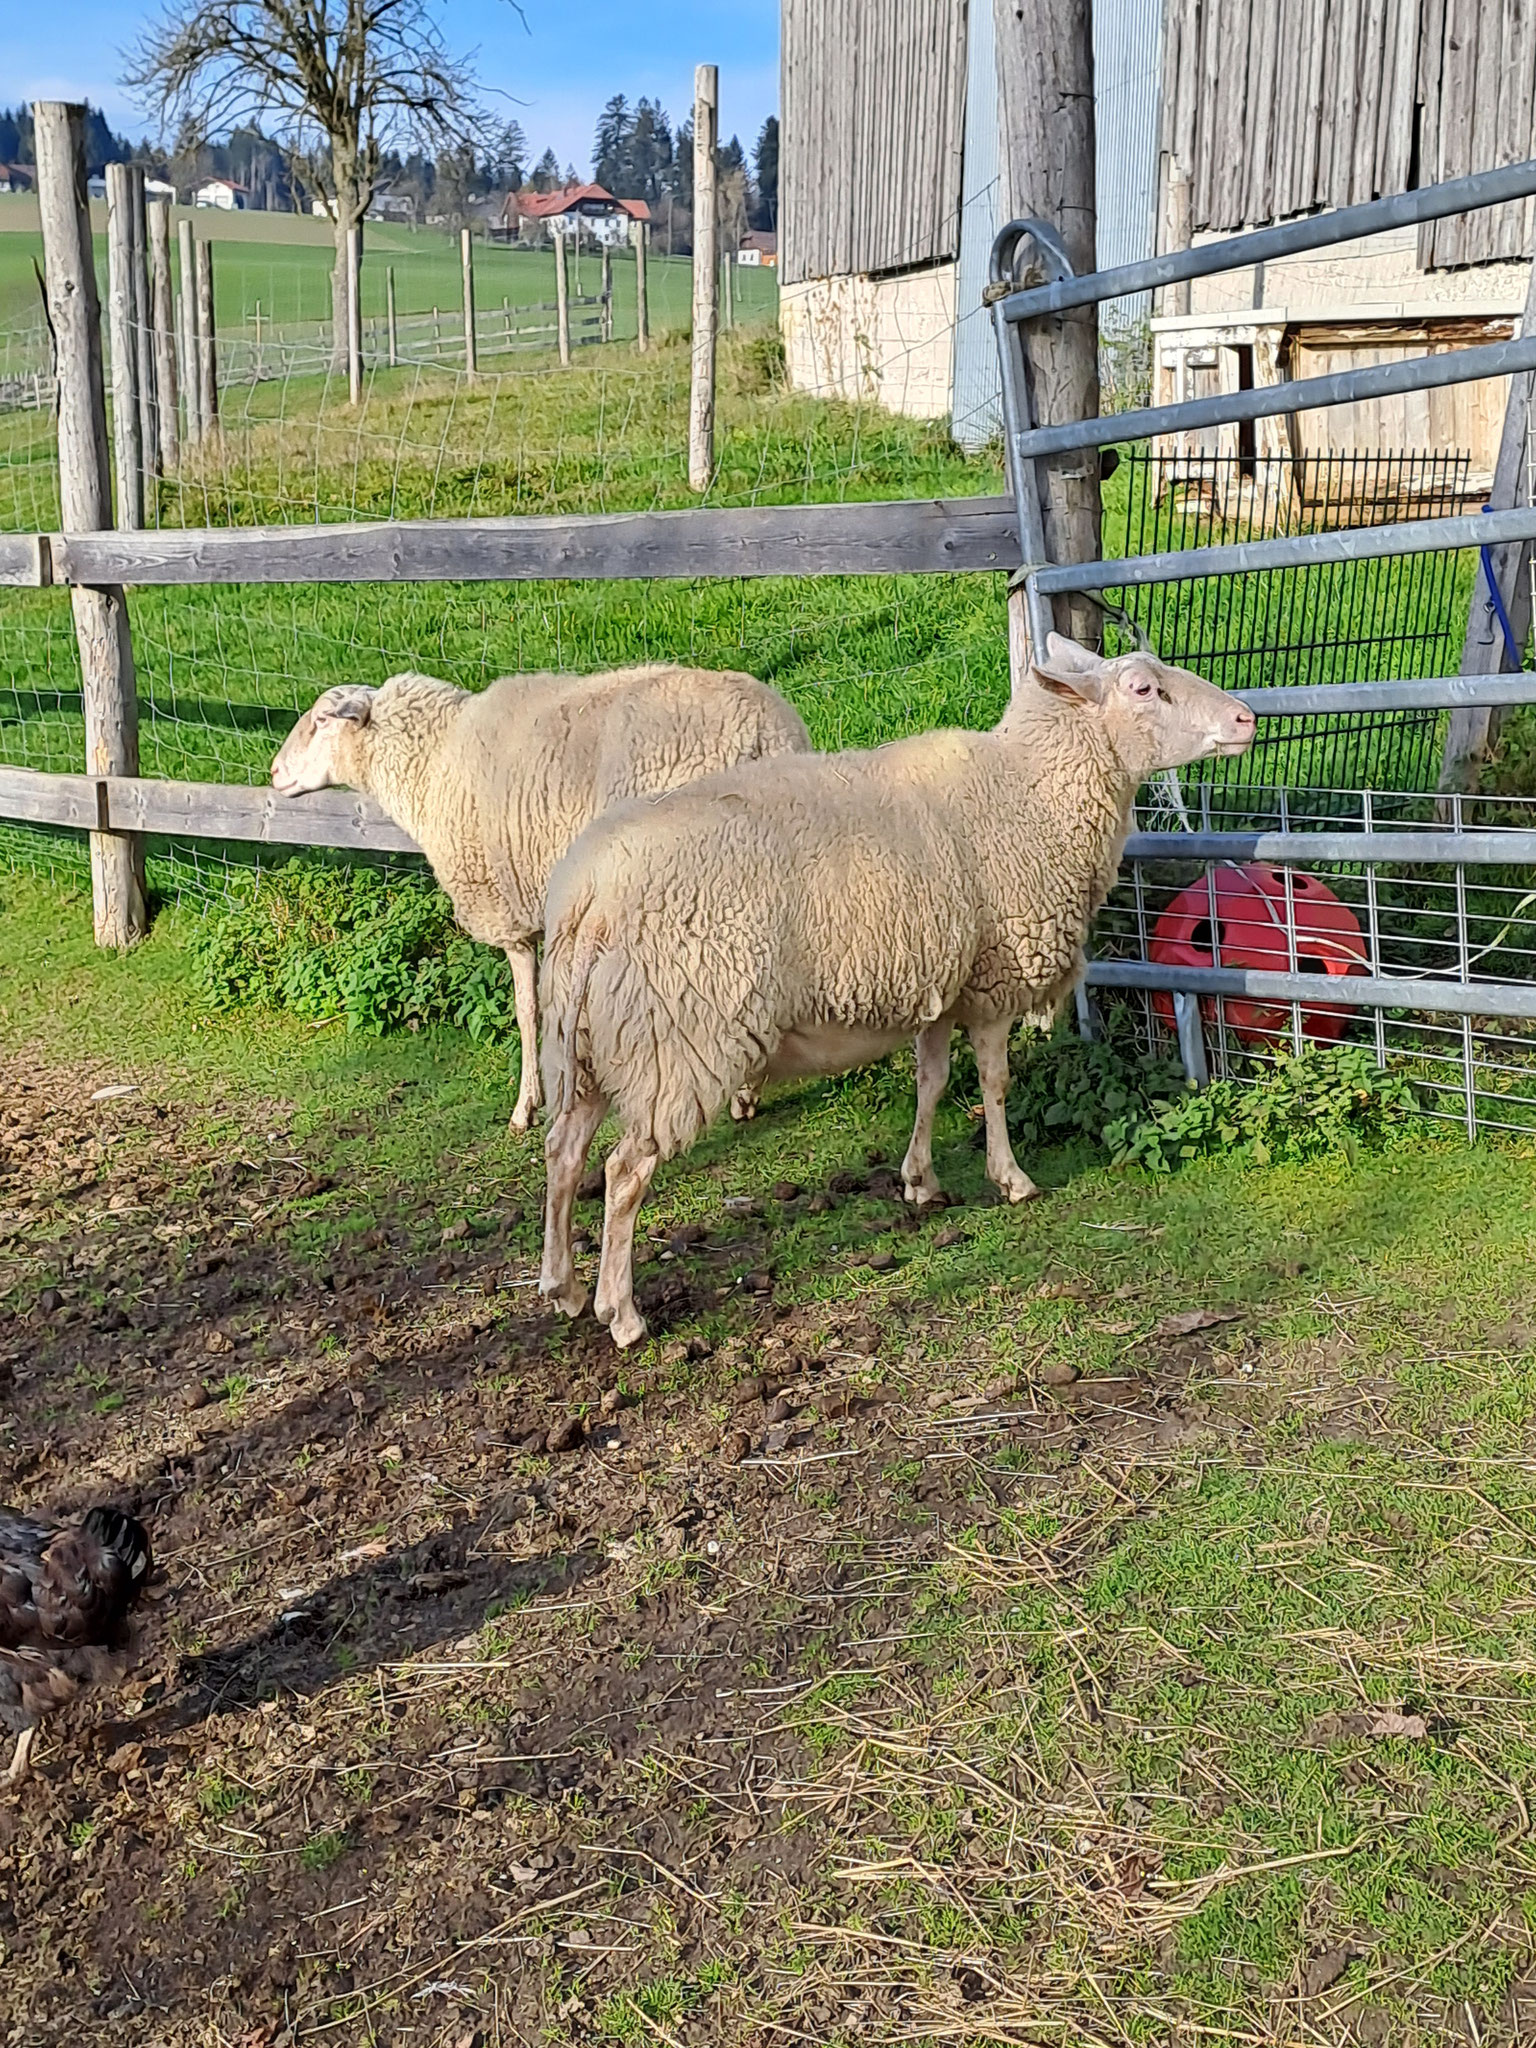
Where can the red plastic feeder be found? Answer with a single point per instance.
(1251, 915)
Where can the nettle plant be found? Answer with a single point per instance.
(1139, 1109)
(328, 942)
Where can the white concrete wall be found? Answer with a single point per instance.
(887, 341)
(1376, 278)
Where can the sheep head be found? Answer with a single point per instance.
(1157, 716)
(322, 750)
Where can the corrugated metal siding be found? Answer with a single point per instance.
(872, 96)
(1127, 63)
(1279, 107)
(976, 412)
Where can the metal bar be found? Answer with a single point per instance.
(1422, 693)
(1316, 231)
(1363, 849)
(1357, 544)
(1346, 991)
(1263, 401)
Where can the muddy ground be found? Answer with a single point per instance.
(471, 1679)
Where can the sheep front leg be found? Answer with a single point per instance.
(565, 1154)
(1003, 1170)
(629, 1170)
(917, 1174)
(525, 995)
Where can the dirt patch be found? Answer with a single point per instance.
(435, 1728)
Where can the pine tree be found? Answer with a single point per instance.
(546, 172)
(610, 146)
(766, 163)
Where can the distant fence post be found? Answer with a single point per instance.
(190, 382)
(159, 219)
(207, 342)
(639, 233)
(706, 280)
(389, 307)
(607, 291)
(127, 421)
(354, 314)
(562, 300)
(467, 260)
(144, 336)
(728, 292)
(108, 691)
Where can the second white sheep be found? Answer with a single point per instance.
(494, 784)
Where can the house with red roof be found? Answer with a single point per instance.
(586, 212)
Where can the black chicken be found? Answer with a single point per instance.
(66, 1589)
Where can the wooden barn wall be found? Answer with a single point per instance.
(872, 110)
(1279, 107)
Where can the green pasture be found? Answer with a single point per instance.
(282, 263)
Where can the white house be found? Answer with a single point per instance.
(758, 249)
(157, 188)
(222, 193)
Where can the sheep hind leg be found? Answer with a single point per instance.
(525, 995)
(629, 1170)
(1003, 1170)
(21, 1757)
(565, 1154)
(917, 1175)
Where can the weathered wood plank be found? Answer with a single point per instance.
(914, 536)
(26, 560)
(201, 810)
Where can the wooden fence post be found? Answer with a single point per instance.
(85, 505)
(638, 234)
(127, 426)
(159, 218)
(706, 280)
(389, 304)
(207, 342)
(1045, 82)
(354, 315)
(144, 336)
(607, 292)
(562, 300)
(467, 260)
(1470, 735)
(190, 382)
(728, 292)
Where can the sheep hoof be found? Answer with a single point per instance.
(1018, 1188)
(744, 1106)
(921, 1192)
(569, 1296)
(627, 1327)
(524, 1117)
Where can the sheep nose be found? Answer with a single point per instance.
(1243, 720)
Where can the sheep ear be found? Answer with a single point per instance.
(352, 702)
(1069, 657)
(1081, 685)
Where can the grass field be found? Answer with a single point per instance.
(283, 263)
(1100, 1672)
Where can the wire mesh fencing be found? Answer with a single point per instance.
(1327, 623)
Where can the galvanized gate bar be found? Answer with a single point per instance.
(1349, 544)
(1420, 693)
(1263, 401)
(1350, 991)
(1365, 849)
(1262, 245)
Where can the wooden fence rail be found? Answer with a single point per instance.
(200, 810)
(887, 537)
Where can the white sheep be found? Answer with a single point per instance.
(494, 784)
(811, 915)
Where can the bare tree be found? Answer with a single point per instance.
(336, 82)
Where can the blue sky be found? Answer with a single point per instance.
(553, 75)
